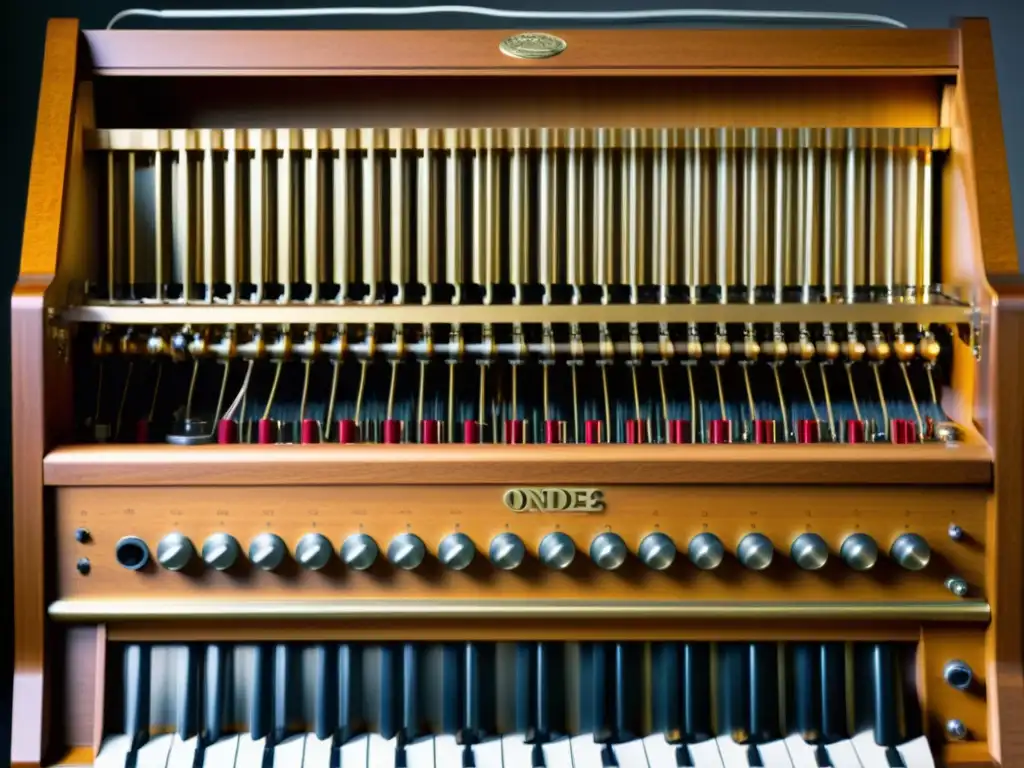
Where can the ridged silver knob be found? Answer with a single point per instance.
(755, 551)
(267, 551)
(456, 551)
(859, 551)
(406, 551)
(507, 551)
(608, 551)
(657, 551)
(221, 551)
(958, 586)
(313, 551)
(359, 551)
(706, 551)
(958, 674)
(556, 550)
(174, 551)
(911, 551)
(809, 551)
(956, 730)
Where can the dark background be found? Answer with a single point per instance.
(22, 29)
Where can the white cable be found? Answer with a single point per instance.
(230, 413)
(474, 10)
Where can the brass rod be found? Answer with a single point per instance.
(362, 389)
(665, 221)
(273, 389)
(752, 223)
(419, 400)
(158, 222)
(664, 398)
(725, 220)
(853, 391)
(312, 216)
(926, 228)
(232, 253)
(888, 225)
(399, 256)
(329, 414)
(810, 395)
(391, 389)
(607, 404)
(913, 401)
(828, 401)
(576, 270)
(191, 390)
(636, 393)
(912, 233)
(372, 193)
(544, 378)
(307, 366)
(881, 400)
(850, 253)
(694, 420)
(220, 394)
(453, 224)
(691, 226)
(207, 216)
(810, 258)
(343, 223)
(782, 402)
(132, 275)
(603, 248)
(750, 393)
(828, 225)
(258, 252)
(285, 221)
(721, 391)
(426, 223)
(519, 221)
(634, 222)
(931, 385)
(547, 222)
(779, 242)
(483, 398)
(111, 226)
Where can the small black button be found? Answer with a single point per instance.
(84, 566)
(82, 535)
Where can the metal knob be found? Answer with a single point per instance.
(456, 551)
(556, 550)
(657, 551)
(956, 533)
(809, 551)
(406, 551)
(706, 551)
(313, 551)
(859, 551)
(359, 551)
(958, 674)
(221, 551)
(507, 551)
(267, 551)
(755, 551)
(911, 551)
(958, 586)
(608, 551)
(132, 553)
(174, 551)
(956, 730)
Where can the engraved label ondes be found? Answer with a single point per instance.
(554, 499)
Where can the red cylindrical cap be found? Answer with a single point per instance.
(552, 431)
(635, 431)
(391, 431)
(430, 431)
(903, 431)
(764, 431)
(592, 431)
(721, 431)
(227, 432)
(679, 431)
(807, 431)
(348, 432)
(471, 432)
(142, 431)
(265, 430)
(514, 430)
(309, 432)
(855, 431)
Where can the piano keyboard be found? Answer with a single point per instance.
(515, 705)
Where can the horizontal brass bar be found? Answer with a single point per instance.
(113, 609)
(142, 140)
(417, 314)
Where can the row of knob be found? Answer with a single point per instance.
(507, 551)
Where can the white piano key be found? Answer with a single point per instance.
(868, 752)
(733, 755)
(250, 751)
(660, 754)
(222, 753)
(586, 753)
(154, 753)
(381, 751)
(800, 752)
(447, 751)
(487, 754)
(843, 755)
(113, 752)
(774, 754)
(183, 752)
(706, 754)
(289, 753)
(631, 754)
(356, 753)
(317, 753)
(420, 754)
(559, 753)
(515, 752)
(917, 753)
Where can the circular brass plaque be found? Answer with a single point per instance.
(532, 45)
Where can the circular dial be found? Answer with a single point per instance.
(608, 551)
(359, 551)
(755, 551)
(267, 551)
(313, 551)
(706, 551)
(456, 551)
(406, 551)
(958, 674)
(221, 551)
(911, 551)
(657, 551)
(809, 551)
(859, 551)
(174, 551)
(132, 553)
(507, 551)
(556, 550)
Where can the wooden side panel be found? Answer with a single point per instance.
(31, 727)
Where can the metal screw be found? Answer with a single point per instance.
(957, 586)
(82, 535)
(956, 533)
(84, 566)
(956, 730)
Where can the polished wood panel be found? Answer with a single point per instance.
(471, 52)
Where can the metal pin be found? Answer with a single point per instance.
(307, 364)
(257, 217)
(913, 401)
(220, 395)
(853, 391)
(329, 415)
(693, 403)
(451, 401)
(156, 393)
(285, 211)
(158, 221)
(725, 240)
(207, 161)
(888, 226)
(574, 214)
(426, 223)
(603, 251)
(575, 406)
(343, 224)
(810, 395)
(191, 390)
(273, 390)
(828, 401)
(131, 225)
(547, 189)
(111, 226)
(931, 384)
(391, 390)
(750, 392)
(633, 234)
(544, 378)
(453, 223)
(881, 400)
(912, 233)
(372, 194)
(314, 229)
(483, 397)
(362, 388)
(782, 402)
(664, 399)
(519, 222)
(721, 391)
(399, 225)
(926, 229)
(607, 403)
(231, 218)
(636, 393)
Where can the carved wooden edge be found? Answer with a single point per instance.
(30, 733)
(476, 52)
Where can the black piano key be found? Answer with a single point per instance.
(410, 691)
(695, 707)
(764, 692)
(285, 688)
(595, 690)
(629, 675)
(547, 689)
(189, 700)
(666, 686)
(471, 704)
(524, 687)
(350, 692)
(137, 670)
(325, 700)
(215, 698)
(389, 717)
(733, 687)
(832, 676)
(883, 686)
(452, 688)
(805, 692)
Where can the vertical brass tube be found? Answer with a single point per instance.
(111, 225)
(912, 232)
(453, 217)
(574, 216)
(547, 217)
(725, 218)
(780, 225)
(479, 245)
(664, 215)
(850, 214)
(312, 242)
(519, 219)
(285, 221)
(492, 209)
(207, 161)
(231, 254)
(426, 218)
(604, 256)
(690, 225)
(372, 225)
(158, 222)
(889, 223)
(257, 215)
(828, 224)
(925, 270)
(633, 220)
(183, 219)
(399, 223)
(132, 274)
(343, 213)
(810, 266)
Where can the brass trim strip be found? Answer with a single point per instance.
(416, 314)
(92, 609)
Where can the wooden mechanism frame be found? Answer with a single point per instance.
(979, 247)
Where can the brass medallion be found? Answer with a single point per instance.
(532, 45)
